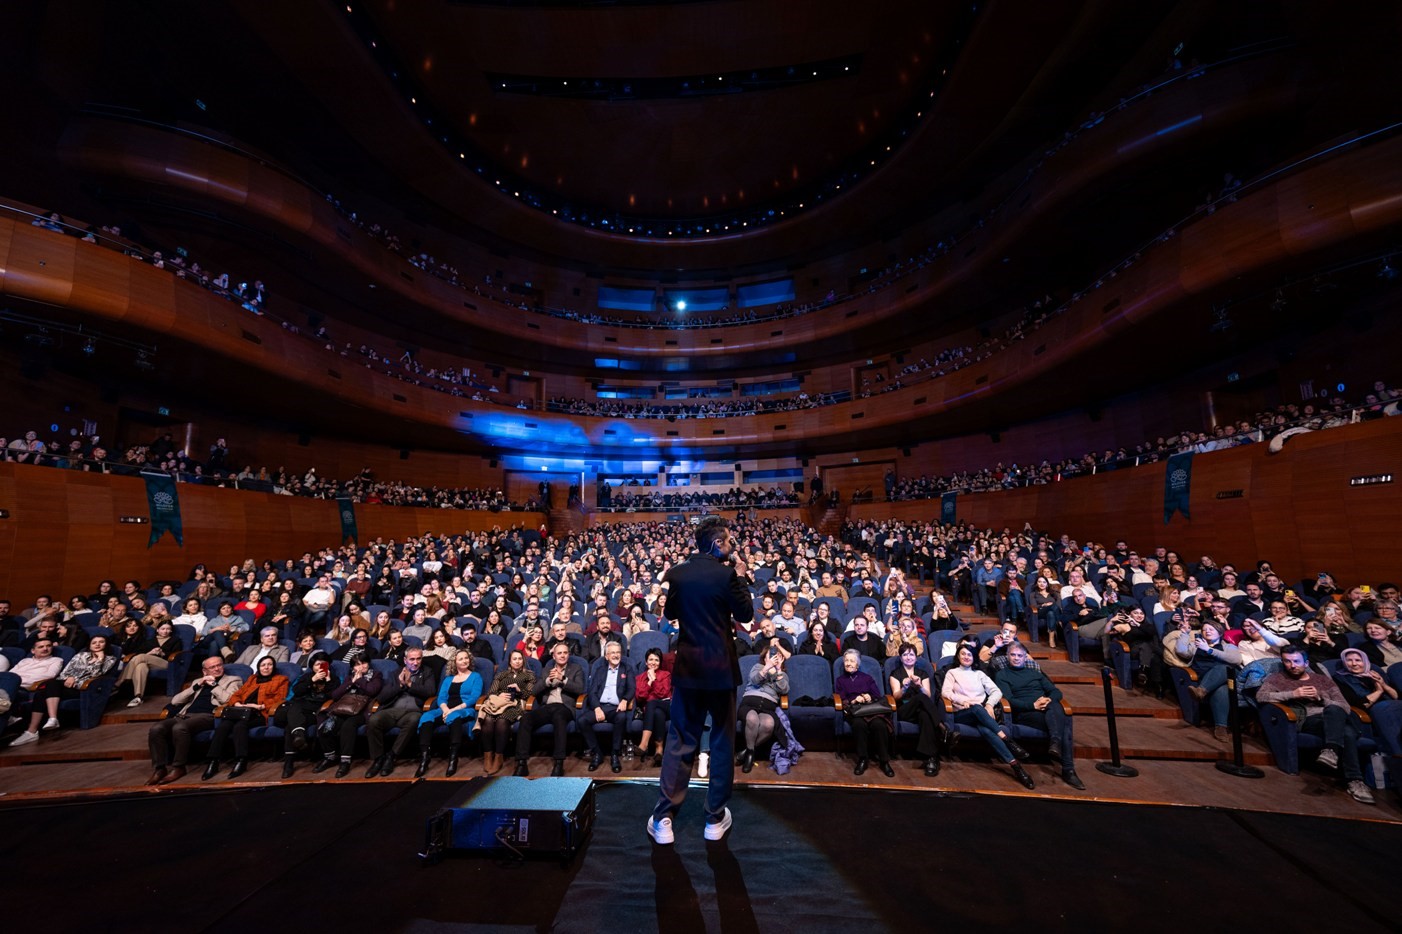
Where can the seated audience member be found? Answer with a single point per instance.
(193, 615)
(1365, 687)
(770, 636)
(190, 712)
(1080, 610)
(479, 648)
(153, 654)
(761, 714)
(256, 700)
(1278, 620)
(902, 635)
(1036, 702)
(455, 706)
(504, 704)
(975, 697)
(92, 662)
(653, 702)
(915, 703)
(308, 650)
(1336, 620)
(602, 636)
(439, 646)
(286, 612)
(128, 639)
(862, 639)
(1320, 710)
(1044, 604)
(221, 633)
(418, 627)
(555, 695)
(1379, 644)
(358, 647)
(864, 710)
(381, 627)
(298, 715)
(818, 643)
(560, 636)
(609, 695)
(266, 646)
(1213, 660)
(637, 621)
(1258, 642)
(350, 702)
(41, 665)
(532, 643)
(993, 654)
(1320, 643)
(401, 700)
(394, 647)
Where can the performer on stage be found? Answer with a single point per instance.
(707, 596)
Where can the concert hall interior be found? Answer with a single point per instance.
(1042, 357)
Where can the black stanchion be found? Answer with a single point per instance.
(1114, 766)
(1237, 766)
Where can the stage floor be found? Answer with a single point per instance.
(326, 856)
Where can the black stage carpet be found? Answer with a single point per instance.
(328, 857)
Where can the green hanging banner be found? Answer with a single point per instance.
(163, 503)
(346, 506)
(1177, 485)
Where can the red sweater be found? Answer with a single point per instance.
(661, 689)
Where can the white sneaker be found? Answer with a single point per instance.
(1359, 792)
(28, 736)
(49, 724)
(1328, 759)
(717, 830)
(703, 765)
(659, 830)
(134, 702)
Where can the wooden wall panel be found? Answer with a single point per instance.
(64, 534)
(1298, 511)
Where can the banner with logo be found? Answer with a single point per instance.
(163, 504)
(947, 507)
(1177, 485)
(346, 506)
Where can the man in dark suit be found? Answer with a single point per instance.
(609, 699)
(555, 694)
(707, 596)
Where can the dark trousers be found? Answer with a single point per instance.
(558, 715)
(382, 721)
(296, 715)
(871, 732)
(223, 728)
(455, 731)
(586, 720)
(690, 707)
(918, 709)
(1054, 722)
(169, 739)
(656, 715)
(1340, 735)
(495, 732)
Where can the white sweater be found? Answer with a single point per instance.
(969, 686)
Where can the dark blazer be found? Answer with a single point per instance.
(573, 686)
(423, 684)
(704, 596)
(594, 645)
(598, 677)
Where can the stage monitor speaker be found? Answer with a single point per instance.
(514, 815)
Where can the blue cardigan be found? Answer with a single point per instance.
(470, 690)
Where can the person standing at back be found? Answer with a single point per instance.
(707, 596)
